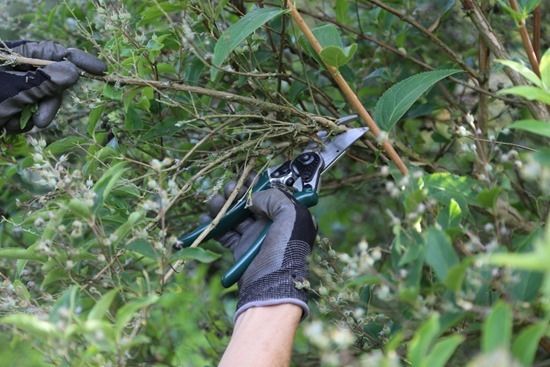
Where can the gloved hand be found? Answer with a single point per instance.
(282, 261)
(43, 86)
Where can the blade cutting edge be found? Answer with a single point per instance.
(332, 151)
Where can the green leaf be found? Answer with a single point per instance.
(523, 70)
(487, 198)
(545, 70)
(21, 254)
(106, 183)
(155, 12)
(526, 343)
(26, 115)
(397, 100)
(530, 261)
(144, 248)
(341, 9)
(21, 291)
(238, 32)
(442, 351)
(30, 324)
(195, 253)
(528, 92)
(440, 254)
(79, 208)
(533, 126)
(529, 5)
(93, 119)
(497, 328)
(420, 343)
(456, 274)
(65, 144)
(337, 56)
(102, 306)
(129, 310)
(328, 35)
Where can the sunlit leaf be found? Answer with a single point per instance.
(523, 70)
(528, 92)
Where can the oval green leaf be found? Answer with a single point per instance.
(533, 126)
(238, 32)
(397, 100)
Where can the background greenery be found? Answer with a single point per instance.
(447, 266)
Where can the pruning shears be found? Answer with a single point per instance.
(300, 175)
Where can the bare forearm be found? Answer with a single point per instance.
(263, 337)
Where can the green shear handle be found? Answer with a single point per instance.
(235, 215)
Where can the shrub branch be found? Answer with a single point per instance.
(346, 89)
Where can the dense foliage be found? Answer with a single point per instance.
(449, 265)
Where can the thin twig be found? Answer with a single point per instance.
(230, 97)
(527, 45)
(438, 42)
(240, 183)
(346, 89)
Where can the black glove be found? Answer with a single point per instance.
(43, 86)
(282, 261)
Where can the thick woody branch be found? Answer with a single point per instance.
(346, 90)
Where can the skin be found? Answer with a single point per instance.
(263, 337)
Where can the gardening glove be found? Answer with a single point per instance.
(43, 86)
(272, 277)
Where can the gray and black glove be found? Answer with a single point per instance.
(43, 86)
(272, 276)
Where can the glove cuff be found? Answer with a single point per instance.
(280, 286)
(293, 301)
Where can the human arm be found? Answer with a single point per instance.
(42, 87)
(263, 337)
(270, 304)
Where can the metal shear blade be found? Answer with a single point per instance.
(332, 151)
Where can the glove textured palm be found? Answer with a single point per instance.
(43, 86)
(282, 261)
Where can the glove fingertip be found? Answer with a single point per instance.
(215, 204)
(205, 218)
(47, 109)
(86, 61)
